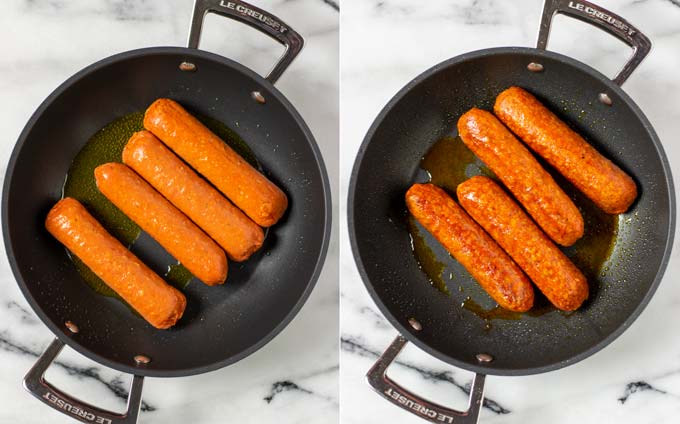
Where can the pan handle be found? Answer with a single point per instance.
(413, 403)
(253, 17)
(36, 384)
(603, 19)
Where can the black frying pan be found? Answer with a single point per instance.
(388, 163)
(221, 325)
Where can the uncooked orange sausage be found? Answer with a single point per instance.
(611, 189)
(159, 303)
(521, 173)
(162, 221)
(225, 223)
(471, 246)
(554, 274)
(251, 191)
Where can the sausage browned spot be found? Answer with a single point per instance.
(611, 189)
(209, 209)
(251, 191)
(162, 221)
(471, 246)
(554, 274)
(521, 173)
(159, 303)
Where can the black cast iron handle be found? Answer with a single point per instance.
(390, 390)
(36, 384)
(603, 19)
(254, 17)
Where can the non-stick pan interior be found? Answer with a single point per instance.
(427, 110)
(221, 324)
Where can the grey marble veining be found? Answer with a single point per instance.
(288, 381)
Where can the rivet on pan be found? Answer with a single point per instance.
(142, 359)
(484, 357)
(535, 67)
(258, 97)
(415, 324)
(72, 327)
(604, 98)
(187, 67)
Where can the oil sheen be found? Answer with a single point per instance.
(427, 260)
(107, 146)
(448, 163)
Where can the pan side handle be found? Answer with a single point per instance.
(56, 399)
(390, 390)
(600, 18)
(255, 18)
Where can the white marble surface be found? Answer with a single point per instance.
(387, 43)
(290, 380)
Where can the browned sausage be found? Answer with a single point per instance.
(251, 191)
(162, 221)
(522, 175)
(159, 303)
(554, 274)
(471, 246)
(611, 189)
(225, 223)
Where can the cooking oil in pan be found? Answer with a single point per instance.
(178, 275)
(489, 314)
(427, 260)
(448, 163)
(592, 250)
(107, 146)
(541, 307)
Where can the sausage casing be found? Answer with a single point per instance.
(521, 173)
(209, 209)
(251, 191)
(159, 303)
(162, 221)
(611, 189)
(471, 246)
(554, 274)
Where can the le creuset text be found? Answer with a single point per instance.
(254, 14)
(601, 15)
(75, 410)
(423, 410)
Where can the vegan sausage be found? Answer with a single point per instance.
(521, 173)
(162, 221)
(251, 191)
(554, 274)
(213, 213)
(611, 189)
(471, 246)
(159, 303)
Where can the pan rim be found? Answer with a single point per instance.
(60, 331)
(408, 332)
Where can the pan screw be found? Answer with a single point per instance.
(535, 67)
(72, 327)
(142, 359)
(258, 97)
(484, 357)
(415, 324)
(187, 67)
(604, 98)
